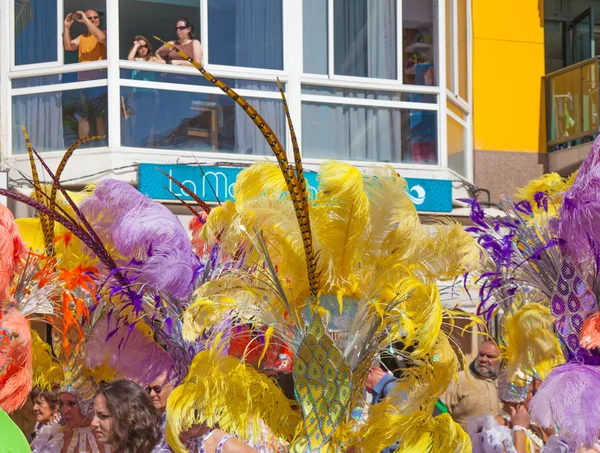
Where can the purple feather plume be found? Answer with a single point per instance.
(569, 399)
(124, 348)
(147, 232)
(579, 223)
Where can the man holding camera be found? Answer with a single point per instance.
(91, 45)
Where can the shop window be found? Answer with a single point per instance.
(35, 31)
(315, 42)
(356, 132)
(155, 18)
(57, 120)
(456, 147)
(418, 41)
(80, 43)
(246, 33)
(365, 38)
(195, 121)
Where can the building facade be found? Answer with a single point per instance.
(370, 82)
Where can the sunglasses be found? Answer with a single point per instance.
(93, 17)
(143, 47)
(180, 28)
(157, 389)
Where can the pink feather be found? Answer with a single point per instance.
(16, 357)
(12, 249)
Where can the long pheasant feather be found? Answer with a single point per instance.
(63, 164)
(304, 219)
(195, 197)
(47, 225)
(274, 143)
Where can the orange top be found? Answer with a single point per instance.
(90, 49)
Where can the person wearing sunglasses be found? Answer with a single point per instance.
(91, 46)
(186, 41)
(141, 50)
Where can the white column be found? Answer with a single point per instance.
(5, 108)
(441, 58)
(114, 89)
(292, 65)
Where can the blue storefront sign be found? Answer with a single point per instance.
(212, 183)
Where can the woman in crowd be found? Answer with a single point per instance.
(77, 435)
(125, 418)
(186, 41)
(45, 409)
(141, 50)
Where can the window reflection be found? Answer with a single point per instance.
(456, 147)
(195, 121)
(246, 33)
(57, 120)
(365, 38)
(35, 31)
(331, 131)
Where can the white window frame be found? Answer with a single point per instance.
(292, 75)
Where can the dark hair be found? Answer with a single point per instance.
(135, 420)
(150, 51)
(50, 397)
(188, 24)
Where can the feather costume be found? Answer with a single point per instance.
(338, 280)
(544, 278)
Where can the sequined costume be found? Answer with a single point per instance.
(543, 278)
(53, 441)
(338, 280)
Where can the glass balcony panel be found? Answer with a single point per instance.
(333, 131)
(57, 120)
(195, 80)
(380, 95)
(55, 79)
(179, 120)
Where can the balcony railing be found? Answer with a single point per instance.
(572, 105)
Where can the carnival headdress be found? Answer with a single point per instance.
(339, 279)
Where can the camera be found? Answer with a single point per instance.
(76, 16)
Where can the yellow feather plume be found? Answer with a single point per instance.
(340, 215)
(263, 179)
(220, 390)
(531, 342)
(47, 371)
(392, 212)
(554, 185)
(408, 408)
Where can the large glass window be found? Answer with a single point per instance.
(418, 33)
(84, 31)
(315, 42)
(35, 31)
(195, 121)
(246, 33)
(356, 132)
(57, 120)
(154, 18)
(365, 38)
